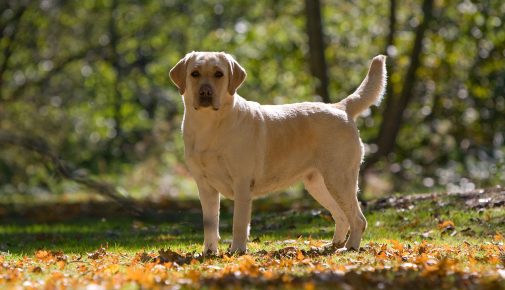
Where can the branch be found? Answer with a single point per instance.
(41, 147)
(7, 52)
(59, 66)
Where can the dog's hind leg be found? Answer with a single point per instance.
(343, 187)
(314, 183)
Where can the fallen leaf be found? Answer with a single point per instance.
(397, 245)
(42, 255)
(143, 257)
(36, 269)
(112, 269)
(97, 254)
(61, 264)
(169, 256)
(309, 286)
(299, 255)
(381, 256)
(443, 225)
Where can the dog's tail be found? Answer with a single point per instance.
(370, 91)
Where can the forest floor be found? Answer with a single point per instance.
(422, 241)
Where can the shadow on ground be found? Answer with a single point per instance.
(84, 227)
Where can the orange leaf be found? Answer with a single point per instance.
(421, 259)
(299, 255)
(228, 259)
(97, 254)
(82, 268)
(56, 275)
(269, 275)
(381, 256)
(36, 269)
(471, 260)
(446, 224)
(494, 260)
(397, 245)
(309, 286)
(194, 262)
(422, 248)
(498, 237)
(194, 275)
(112, 269)
(61, 264)
(42, 255)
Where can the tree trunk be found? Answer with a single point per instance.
(118, 97)
(395, 106)
(317, 46)
(390, 42)
(392, 26)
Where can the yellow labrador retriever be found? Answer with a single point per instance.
(243, 150)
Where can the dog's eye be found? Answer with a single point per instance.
(195, 74)
(218, 74)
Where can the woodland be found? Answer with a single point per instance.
(94, 191)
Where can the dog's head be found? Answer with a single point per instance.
(207, 79)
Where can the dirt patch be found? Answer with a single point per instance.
(475, 199)
(169, 209)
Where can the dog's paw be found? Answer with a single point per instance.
(346, 250)
(342, 250)
(210, 250)
(210, 253)
(338, 244)
(235, 253)
(240, 250)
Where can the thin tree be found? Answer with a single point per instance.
(317, 60)
(115, 61)
(396, 105)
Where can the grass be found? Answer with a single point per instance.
(402, 245)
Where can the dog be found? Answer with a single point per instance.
(244, 150)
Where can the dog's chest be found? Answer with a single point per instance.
(210, 166)
(208, 162)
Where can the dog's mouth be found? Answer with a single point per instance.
(205, 101)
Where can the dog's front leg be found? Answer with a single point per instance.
(241, 216)
(209, 198)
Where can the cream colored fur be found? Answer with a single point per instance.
(243, 150)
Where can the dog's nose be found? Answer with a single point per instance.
(206, 91)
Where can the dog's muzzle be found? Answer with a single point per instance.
(205, 95)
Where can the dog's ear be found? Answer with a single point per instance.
(178, 73)
(237, 74)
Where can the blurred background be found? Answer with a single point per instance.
(85, 93)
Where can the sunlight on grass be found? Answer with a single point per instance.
(286, 248)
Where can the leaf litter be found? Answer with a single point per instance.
(391, 265)
(295, 263)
